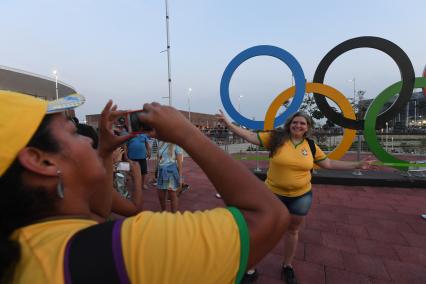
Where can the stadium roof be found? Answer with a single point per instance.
(32, 84)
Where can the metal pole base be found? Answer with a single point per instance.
(257, 169)
(357, 173)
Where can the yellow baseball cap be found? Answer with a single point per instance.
(20, 117)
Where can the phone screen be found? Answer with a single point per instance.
(134, 124)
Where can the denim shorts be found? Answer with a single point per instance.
(168, 177)
(169, 185)
(298, 205)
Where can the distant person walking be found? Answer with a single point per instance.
(138, 150)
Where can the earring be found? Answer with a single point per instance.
(60, 186)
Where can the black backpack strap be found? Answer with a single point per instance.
(312, 147)
(94, 255)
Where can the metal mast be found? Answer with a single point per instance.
(168, 54)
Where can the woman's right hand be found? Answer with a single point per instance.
(222, 118)
(108, 141)
(168, 123)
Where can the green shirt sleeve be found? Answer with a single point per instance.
(244, 241)
(260, 140)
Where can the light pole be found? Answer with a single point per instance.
(357, 172)
(239, 103)
(55, 73)
(353, 81)
(189, 104)
(387, 130)
(415, 113)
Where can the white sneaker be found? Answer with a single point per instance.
(423, 216)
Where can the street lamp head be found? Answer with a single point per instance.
(55, 72)
(241, 96)
(190, 89)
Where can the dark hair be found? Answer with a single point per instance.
(280, 136)
(75, 120)
(88, 131)
(20, 204)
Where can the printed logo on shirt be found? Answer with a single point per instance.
(304, 152)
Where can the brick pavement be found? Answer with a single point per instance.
(353, 234)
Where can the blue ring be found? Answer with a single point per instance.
(268, 50)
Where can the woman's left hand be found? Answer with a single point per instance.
(366, 163)
(108, 141)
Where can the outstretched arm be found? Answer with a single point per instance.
(243, 133)
(345, 165)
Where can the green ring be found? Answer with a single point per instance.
(370, 123)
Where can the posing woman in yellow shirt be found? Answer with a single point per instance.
(289, 173)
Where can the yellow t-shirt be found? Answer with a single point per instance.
(289, 172)
(200, 247)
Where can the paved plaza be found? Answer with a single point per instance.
(353, 234)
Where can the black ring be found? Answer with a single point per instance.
(395, 52)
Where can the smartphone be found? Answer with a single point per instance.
(133, 123)
(123, 166)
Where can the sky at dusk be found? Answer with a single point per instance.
(112, 49)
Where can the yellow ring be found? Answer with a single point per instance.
(329, 92)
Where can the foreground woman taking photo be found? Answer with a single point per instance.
(56, 191)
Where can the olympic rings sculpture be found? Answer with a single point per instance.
(373, 118)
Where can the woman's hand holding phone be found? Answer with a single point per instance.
(167, 123)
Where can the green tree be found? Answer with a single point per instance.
(310, 107)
